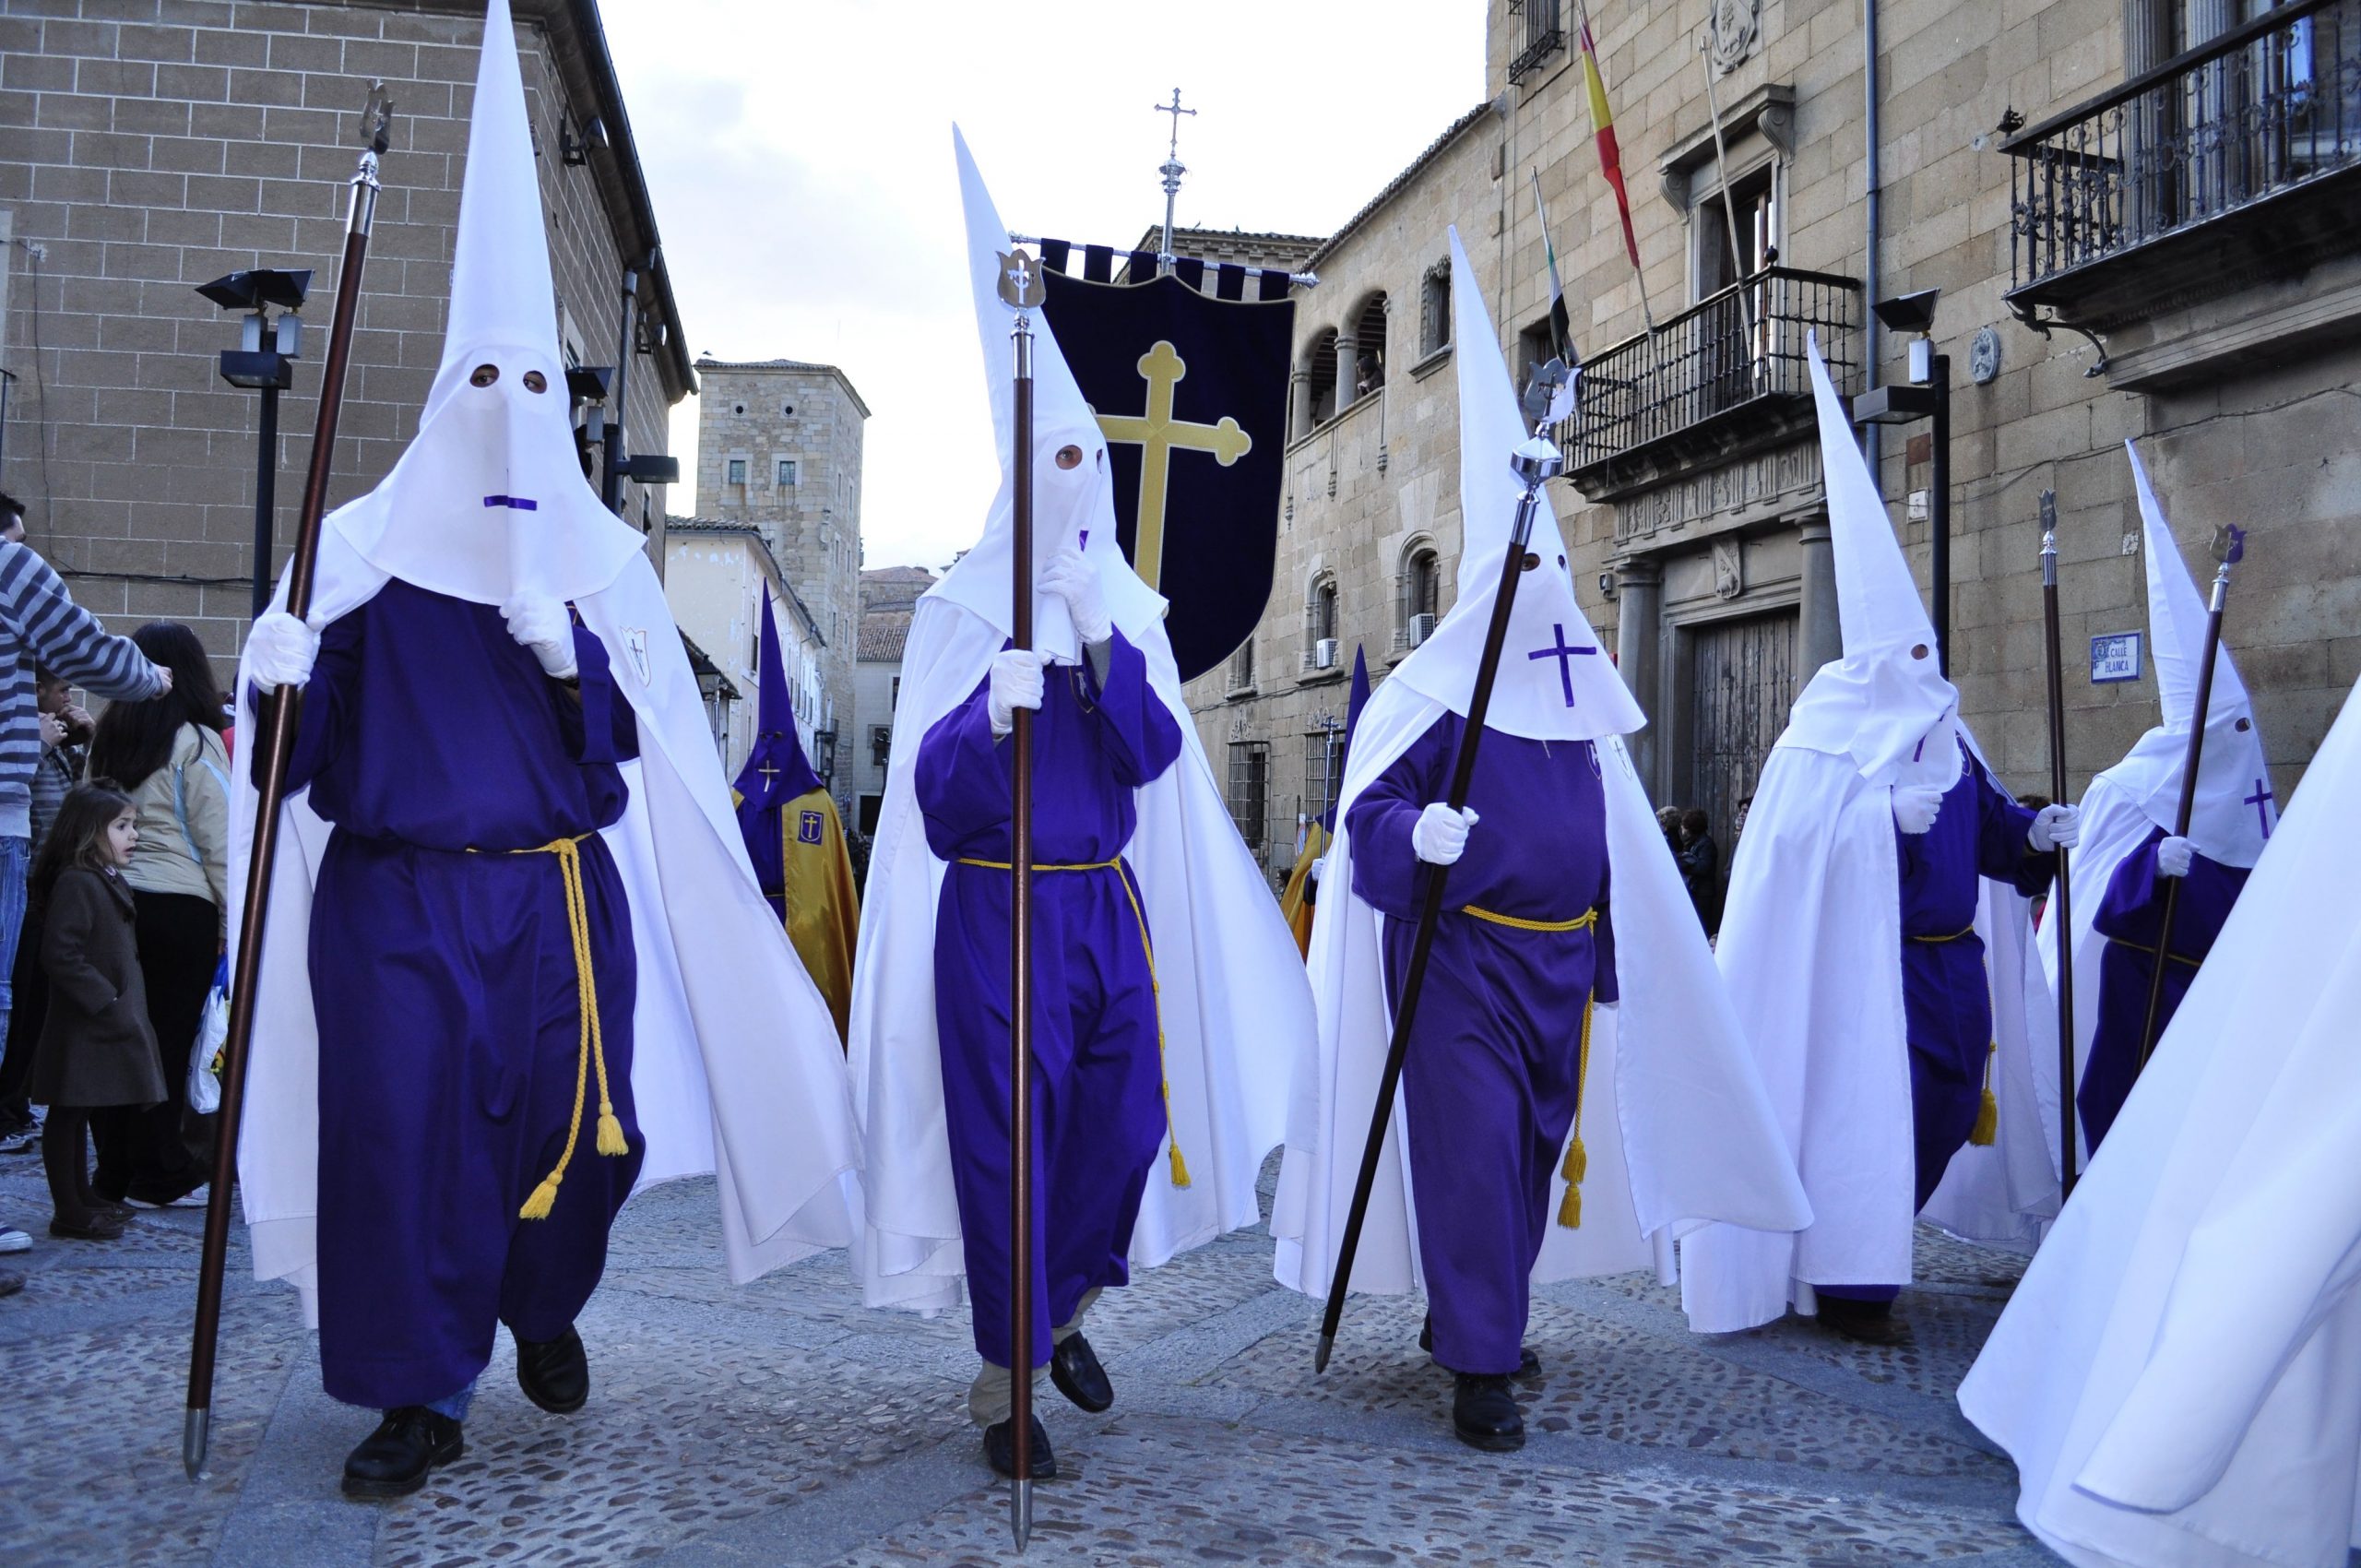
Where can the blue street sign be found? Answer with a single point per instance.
(2115, 657)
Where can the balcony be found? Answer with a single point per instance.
(2235, 160)
(1544, 36)
(1725, 378)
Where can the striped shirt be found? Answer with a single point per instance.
(41, 623)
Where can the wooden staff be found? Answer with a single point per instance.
(2061, 904)
(281, 712)
(1021, 287)
(2148, 1029)
(1535, 461)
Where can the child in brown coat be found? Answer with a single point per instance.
(96, 1046)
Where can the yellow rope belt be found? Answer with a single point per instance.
(1172, 1137)
(1582, 922)
(594, 1048)
(2148, 950)
(1963, 931)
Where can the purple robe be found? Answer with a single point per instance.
(1099, 1085)
(1946, 995)
(1492, 1074)
(2132, 917)
(444, 978)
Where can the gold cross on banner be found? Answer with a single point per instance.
(1157, 434)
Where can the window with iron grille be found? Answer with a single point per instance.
(1241, 667)
(1323, 769)
(1421, 595)
(786, 471)
(1249, 794)
(737, 474)
(1434, 310)
(1543, 35)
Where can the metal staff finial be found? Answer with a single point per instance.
(1172, 170)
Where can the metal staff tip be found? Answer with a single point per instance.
(1319, 1357)
(197, 1428)
(1020, 1514)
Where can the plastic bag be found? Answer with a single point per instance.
(205, 1056)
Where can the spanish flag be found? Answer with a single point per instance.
(796, 839)
(1300, 900)
(1602, 121)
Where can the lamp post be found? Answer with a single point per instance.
(263, 361)
(1927, 395)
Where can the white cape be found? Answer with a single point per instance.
(1230, 988)
(1810, 948)
(2178, 1378)
(734, 1064)
(1675, 1121)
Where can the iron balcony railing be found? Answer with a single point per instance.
(2269, 106)
(1544, 35)
(1727, 351)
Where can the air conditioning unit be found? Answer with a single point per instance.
(1324, 654)
(1421, 628)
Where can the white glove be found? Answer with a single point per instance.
(1441, 836)
(1916, 806)
(541, 626)
(1075, 580)
(280, 650)
(1318, 866)
(2174, 856)
(2057, 828)
(1016, 682)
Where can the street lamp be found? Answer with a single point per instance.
(263, 361)
(1927, 396)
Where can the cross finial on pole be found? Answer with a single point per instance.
(1172, 170)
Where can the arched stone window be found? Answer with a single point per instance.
(1368, 343)
(1241, 667)
(1420, 600)
(1320, 643)
(1319, 391)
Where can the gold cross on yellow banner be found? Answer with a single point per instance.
(1157, 433)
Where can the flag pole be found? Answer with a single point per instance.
(1610, 157)
(1722, 171)
(2061, 913)
(1021, 287)
(1535, 461)
(2235, 552)
(280, 711)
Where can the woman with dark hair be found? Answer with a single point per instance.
(167, 754)
(1701, 868)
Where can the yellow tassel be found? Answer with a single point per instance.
(1577, 1164)
(1570, 1209)
(544, 1199)
(610, 1133)
(1987, 1123)
(1180, 1167)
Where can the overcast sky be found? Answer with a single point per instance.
(799, 157)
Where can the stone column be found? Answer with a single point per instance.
(1639, 597)
(1299, 404)
(1820, 634)
(1349, 369)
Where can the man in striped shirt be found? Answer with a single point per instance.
(41, 623)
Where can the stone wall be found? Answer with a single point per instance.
(150, 146)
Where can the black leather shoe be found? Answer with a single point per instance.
(554, 1374)
(101, 1227)
(1484, 1414)
(1000, 1450)
(1528, 1365)
(1073, 1367)
(392, 1461)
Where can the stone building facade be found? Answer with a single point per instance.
(2171, 221)
(147, 147)
(779, 446)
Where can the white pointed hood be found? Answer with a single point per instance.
(2228, 824)
(1069, 506)
(1885, 704)
(1540, 693)
(490, 497)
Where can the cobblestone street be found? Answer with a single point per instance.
(783, 1424)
